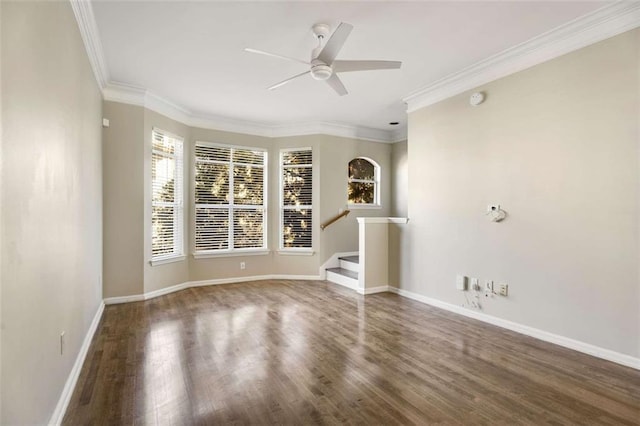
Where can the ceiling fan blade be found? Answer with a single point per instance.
(283, 82)
(337, 85)
(335, 43)
(275, 55)
(346, 66)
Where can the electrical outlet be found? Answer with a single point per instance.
(488, 286)
(62, 343)
(242, 265)
(504, 289)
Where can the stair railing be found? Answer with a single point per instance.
(334, 219)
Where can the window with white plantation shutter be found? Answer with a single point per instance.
(230, 201)
(166, 198)
(296, 199)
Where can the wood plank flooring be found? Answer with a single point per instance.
(295, 352)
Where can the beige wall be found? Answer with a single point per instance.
(51, 204)
(123, 160)
(399, 208)
(399, 179)
(128, 205)
(1, 238)
(557, 146)
(374, 257)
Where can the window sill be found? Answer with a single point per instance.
(296, 252)
(165, 260)
(363, 206)
(207, 255)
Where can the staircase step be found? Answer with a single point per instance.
(343, 277)
(345, 272)
(350, 263)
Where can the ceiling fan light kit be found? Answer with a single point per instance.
(323, 65)
(320, 71)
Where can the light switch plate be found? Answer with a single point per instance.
(461, 282)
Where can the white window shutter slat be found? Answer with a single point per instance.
(296, 199)
(230, 200)
(167, 195)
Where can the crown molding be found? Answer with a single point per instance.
(332, 129)
(133, 95)
(124, 93)
(83, 12)
(399, 135)
(591, 28)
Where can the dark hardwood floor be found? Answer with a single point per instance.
(294, 352)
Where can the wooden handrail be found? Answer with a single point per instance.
(335, 218)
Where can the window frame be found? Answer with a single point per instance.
(376, 186)
(178, 253)
(281, 207)
(230, 206)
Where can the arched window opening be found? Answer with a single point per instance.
(363, 186)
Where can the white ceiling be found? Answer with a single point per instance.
(191, 53)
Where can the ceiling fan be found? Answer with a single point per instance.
(323, 65)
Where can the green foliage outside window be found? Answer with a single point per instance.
(361, 188)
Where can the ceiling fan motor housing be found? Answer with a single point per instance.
(320, 70)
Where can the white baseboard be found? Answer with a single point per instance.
(69, 386)
(163, 291)
(352, 284)
(296, 277)
(374, 290)
(589, 349)
(248, 279)
(123, 299)
(189, 284)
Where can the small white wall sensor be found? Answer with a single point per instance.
(105, 122)
(476, 99)
(495, 213)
